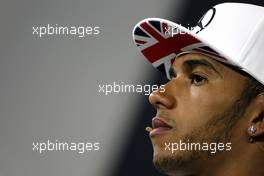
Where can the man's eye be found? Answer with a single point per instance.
(197, 79)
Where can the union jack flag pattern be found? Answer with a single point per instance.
(154, 38)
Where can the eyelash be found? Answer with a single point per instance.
(195, 76)
(192, 77)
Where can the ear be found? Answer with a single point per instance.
(256, 123)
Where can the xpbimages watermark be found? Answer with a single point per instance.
(56, 30)
(172, 30)
(79, 147)
(212, 147)
(116, 88)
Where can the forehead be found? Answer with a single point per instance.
(185, 58)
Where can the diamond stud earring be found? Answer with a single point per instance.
(252, 129)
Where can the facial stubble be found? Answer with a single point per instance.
(217, 130)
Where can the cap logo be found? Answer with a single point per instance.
(205, 20)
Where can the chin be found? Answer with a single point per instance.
(159, 154)
(167, 162)
(164, 162)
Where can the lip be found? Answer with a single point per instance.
(159, 127)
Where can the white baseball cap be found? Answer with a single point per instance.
(230, 32)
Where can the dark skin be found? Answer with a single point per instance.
(199, 93)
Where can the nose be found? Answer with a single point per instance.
(162, 98)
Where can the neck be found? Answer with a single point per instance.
(244, 159)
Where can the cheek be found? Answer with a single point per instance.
(215, 98)
(196, 108)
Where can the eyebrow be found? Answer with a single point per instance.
(191, 64)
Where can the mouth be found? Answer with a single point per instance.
(159, 127)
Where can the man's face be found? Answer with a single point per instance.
(197, 104)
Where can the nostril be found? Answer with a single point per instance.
(154, 98)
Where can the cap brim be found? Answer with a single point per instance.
(160, 41)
